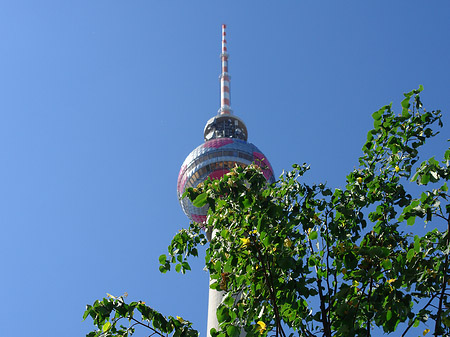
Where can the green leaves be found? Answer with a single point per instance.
(410, 221)
(313, 235)
(386, 264)
(361, 272)
(162, 259)
(410, 254)
(388, 315)
(106, 326)
(183, 245)
(111, 311)
(233, 331)
(200, 200)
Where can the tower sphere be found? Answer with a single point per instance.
(225, 146)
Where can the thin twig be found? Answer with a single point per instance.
(412, 321)
(325, 322)
(267, 276)
(147, 326)
(437, 326)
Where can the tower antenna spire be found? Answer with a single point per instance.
(225, 103)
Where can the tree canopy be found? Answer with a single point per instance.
(293, 258)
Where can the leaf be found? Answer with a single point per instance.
(162, 259)
(387, 264)
(447, 155)
(87, 312)
(417, 244)
(228, 300)
(186, 266)
(411, 220)
(415, 176)
(313, 235)
(311, 261)
(327, 192)
(106, 326)
(247, 203)
(410, 254)
(233, 331)
(223, 314)
(425, 179)
(350, 261)
(388, 315)
(405, 106)
(377, 114)
(201, 200)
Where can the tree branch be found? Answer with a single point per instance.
(368, 306)
(325, 322)
(437, 326)
(269, 282)
(147, 326)
(412, 321)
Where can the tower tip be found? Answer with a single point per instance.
(224, 77)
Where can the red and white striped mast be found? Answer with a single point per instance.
(225, 124)
(224, 77)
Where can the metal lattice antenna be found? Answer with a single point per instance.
(225, 105)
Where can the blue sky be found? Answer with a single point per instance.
(101, 101)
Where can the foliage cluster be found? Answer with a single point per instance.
(108, 312)
(322, 261)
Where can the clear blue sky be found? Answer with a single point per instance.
(102, 100)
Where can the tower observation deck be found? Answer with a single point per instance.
(225, 146)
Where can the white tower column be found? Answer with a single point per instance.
(214, 299)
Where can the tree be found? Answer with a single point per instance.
(316, 260)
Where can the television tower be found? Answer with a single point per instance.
(225, 146)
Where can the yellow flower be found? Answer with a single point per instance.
(359, 180)
(180, 319)
(261, 327)
(287, 243)
(390, 281)
(397, 169)
(254, 232)
(245, 242)
(355, 283)
(426, 331)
